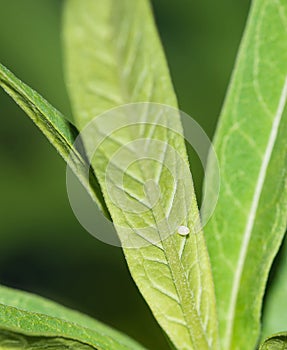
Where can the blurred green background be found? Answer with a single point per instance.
(43, 249)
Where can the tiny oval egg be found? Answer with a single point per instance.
(183, 230)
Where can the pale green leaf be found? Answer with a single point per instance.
(58, 130)
(275, 342)
(113, 57)
(249, 222)
(29, 321)
(274, 317)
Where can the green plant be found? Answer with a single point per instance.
(114, 57)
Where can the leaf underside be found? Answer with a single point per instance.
(114, 57)
(249, 222)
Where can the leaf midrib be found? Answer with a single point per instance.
(174, 264)
(184, 294)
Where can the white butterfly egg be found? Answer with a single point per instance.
(183, 230)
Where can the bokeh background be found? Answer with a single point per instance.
(43, 249)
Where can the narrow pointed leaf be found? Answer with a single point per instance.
(114, 57)
(249, 222)
(58, 130)
(29, 321)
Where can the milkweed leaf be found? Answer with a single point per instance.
(29, 321)
(58, 130)
(114, 57)
(249, 222)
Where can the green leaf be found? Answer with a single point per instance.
(274, 317)
(30, 321)
(275, 342)
(113, 57)
(58, 130)
(249, 222)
